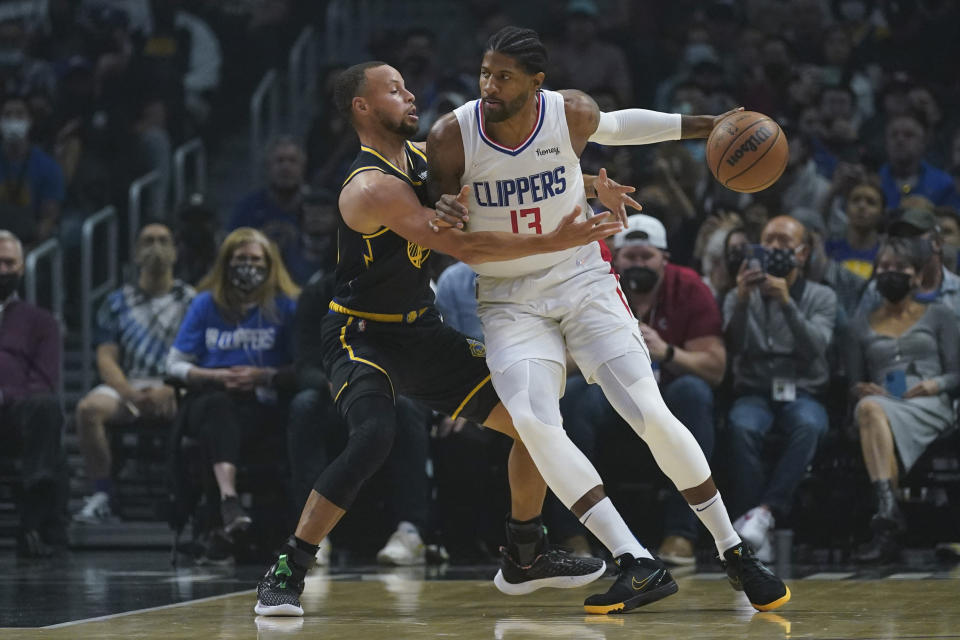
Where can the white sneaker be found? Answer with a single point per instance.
(405, 547)
(96, 509)
(755, 527)
(323, 553)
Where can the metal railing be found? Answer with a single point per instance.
(268, 91)
(301, 80)
(135, 206)
(48, 250)
(195, 149)
(88, 292)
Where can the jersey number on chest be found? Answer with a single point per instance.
(530, 217)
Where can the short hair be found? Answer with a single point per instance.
(523, 45)
(9, 236)
(284, 140)
(913, 250)
(911, 114)
(351, 83)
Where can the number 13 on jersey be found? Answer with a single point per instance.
(534, 212)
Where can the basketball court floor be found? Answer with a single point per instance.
(137, 594)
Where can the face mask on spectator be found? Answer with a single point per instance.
(14, 128)
(247, 277)
(8, 284)
(893, 285)
(780, 262)
(640, 279)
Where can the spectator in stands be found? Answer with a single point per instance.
(572, 57)
(801, 185)
(234, 352)
(681, 324)
(904, 367)
(31, 183)
(136, 325)
(196, 239)
(316, 432)
(864, 209)
(906, 172)
(948, 219)
(274, 209)
(937, 283)
(31, 421)
(778, 326)
(19, 70)
(314, 250)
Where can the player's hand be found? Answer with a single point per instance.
(451, 211)
(572, 233)
(446, 426)
(923, 388)
(613, 196)
(656, 344)
(719, 118)
(864, 389)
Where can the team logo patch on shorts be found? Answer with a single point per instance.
(477, 349)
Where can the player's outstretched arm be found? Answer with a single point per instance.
(630, 126)
(374, 200)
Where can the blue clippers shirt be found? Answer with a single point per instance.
(255, 341)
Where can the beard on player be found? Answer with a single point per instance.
(497, 110)
(401, 126)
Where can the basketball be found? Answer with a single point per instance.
(747, 152)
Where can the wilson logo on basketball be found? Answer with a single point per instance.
(753, 143)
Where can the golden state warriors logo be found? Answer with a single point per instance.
(417, 254)
(477, 350)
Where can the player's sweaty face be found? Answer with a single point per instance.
(391, 102)
(504, 86)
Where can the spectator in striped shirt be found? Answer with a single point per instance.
(136, 326)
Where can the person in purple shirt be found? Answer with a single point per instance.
(906, 172)
(275, 208)
(30, 417)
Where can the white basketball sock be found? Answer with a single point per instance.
(604, 521)
(714, 517)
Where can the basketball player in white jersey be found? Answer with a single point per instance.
(515, 155)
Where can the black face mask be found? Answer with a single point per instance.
(247, 277)
(780, 262)
(8, 284)
(893, 285)
(640, 279)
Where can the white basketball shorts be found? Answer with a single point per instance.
(576, 305)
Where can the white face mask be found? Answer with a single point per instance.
(14, 128)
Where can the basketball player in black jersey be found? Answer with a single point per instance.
(384, 337)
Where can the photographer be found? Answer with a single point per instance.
(778, 326)
(681, 325)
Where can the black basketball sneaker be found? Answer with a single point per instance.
(553, 568)
(746, 573)
(639, 581)
(278, 593)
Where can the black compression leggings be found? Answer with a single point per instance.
(372, 423)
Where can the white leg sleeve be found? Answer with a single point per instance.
(530, 390)
(634, 394)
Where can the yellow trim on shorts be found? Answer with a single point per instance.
(343, 341)
(395, 318)
(470, 396)
(337, 397)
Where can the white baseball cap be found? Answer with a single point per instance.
(642, 230)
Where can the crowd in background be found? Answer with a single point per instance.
(825, 304)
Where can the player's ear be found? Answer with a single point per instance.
(360, 104)
(538, 79)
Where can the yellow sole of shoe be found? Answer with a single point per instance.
(603, 609)
(776, 604)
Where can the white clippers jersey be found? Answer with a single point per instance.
(527, 189)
